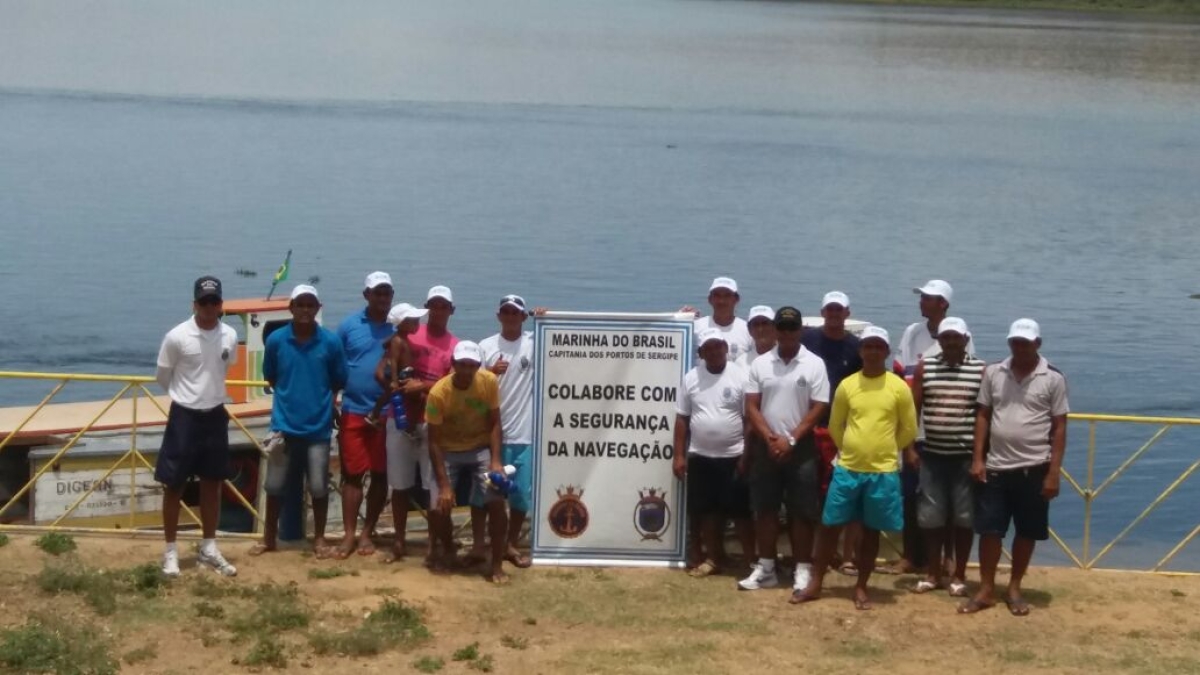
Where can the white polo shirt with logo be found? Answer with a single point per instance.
(736, 335)
(788, 389)
(516, 385)
(1021, 413)
(193, 362)
(715, 402)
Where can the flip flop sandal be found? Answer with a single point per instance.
(1017, 606)
(958, 589)
(801, 596)
(863, 605)
(259, 549)
(848, 568)
(519, 561)
(703, 569)
(924, 586)
(973, 606)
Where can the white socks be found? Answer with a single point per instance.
(767, 564)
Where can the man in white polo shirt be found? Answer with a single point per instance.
(710, 424)
(1020, 438)
(192, 363)
(723, 298)
(788, 391)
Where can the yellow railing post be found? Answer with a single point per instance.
(1088, 496)
(133, 462)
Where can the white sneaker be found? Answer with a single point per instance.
(215, 560)
(170, 564)
(802, 577)
(759, 578)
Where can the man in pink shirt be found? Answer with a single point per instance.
(432, 348)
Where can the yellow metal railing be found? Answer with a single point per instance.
(1090, 491)
(133, 459)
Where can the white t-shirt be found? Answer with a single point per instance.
(516, 384)
(736, 334)
(715, 402)
(748, 358)
(192, 364)
(916, 343)
(788, 388)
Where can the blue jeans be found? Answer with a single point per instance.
(301, 456)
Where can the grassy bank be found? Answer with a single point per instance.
(103, 608)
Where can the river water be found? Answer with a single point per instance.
(617, 156)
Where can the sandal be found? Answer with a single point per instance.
(519, 561)
(958, 589)
(848, 568)
(259, 549)
(1017, 606)
(974, 605)
(924, 586)
(704, 569)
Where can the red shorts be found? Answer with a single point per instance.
(361, 446)
(827, 451)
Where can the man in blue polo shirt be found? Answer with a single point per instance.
(361, 445)
(306, 367)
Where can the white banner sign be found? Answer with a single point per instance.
(604, 415)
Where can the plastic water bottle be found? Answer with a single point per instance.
(399, 416)
(501, 482)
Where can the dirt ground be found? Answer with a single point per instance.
(587, 620)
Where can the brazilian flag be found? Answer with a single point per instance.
(281, 274)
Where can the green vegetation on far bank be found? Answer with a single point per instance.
(1138, 7)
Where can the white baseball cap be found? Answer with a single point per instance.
(953, 324)
(707, 334)
(303, 289)
(1025, 329)
(403, 312)
(875, 332)
(440, 292)
(835, 298)
(468, 351)
(936, 287)
(378, 279)
(761, 312)
(723, 282)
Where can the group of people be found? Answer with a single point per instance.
(415, 402)
(854, 432)
(845, 431)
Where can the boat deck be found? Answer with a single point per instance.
(57, 419)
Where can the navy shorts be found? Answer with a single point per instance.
(1013, 495)
(195, 443)
(714, 488)
(795, 483)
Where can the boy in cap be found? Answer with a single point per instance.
(463, 414)
(361, 446)
(192, 363)
(760, 322)
(945, 390)
(405, 452)
(710, 423)
(787, 392)
(873, 419)
(509, 356)
(1020, 438)
(305, 366)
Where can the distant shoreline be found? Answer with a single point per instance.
(1143, 8)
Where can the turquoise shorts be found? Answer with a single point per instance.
(518, 455)
(874, 499)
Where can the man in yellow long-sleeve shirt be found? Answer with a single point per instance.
(873, 419)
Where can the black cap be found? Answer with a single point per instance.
(207, 287)
(788, 317)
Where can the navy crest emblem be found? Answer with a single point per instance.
(224, 354)
(568, 518)
(525, 363)
(652, 515)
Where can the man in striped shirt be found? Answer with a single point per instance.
(945, 390)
